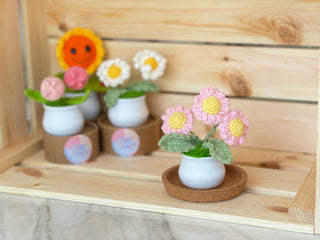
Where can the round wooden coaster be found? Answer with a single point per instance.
(232, 185)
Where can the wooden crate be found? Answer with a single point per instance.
(263, 54)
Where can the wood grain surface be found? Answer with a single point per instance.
(258, 72)
(249, 21)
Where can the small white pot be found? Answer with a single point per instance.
(89, 108)
(201, 173)
(129, 112)
(62, 121)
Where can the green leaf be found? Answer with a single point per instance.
(35, 95)
(145, 86)
(112, 95)
(95, 85)
(60, 75)
(219, 150)
(77, 100)
(174, 142)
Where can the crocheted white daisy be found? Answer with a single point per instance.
(113, 72)
(150, 63)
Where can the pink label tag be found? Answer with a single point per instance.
(125, 142)
(78, 149)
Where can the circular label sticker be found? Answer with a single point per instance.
(125, 142)
(78, 149)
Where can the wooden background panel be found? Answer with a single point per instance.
(291, 22)
(274, 125)
(13, 119)
(239, 71)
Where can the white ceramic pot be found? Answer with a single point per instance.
(62, 121)
(129, 112)
(89, 108)
(201, 173)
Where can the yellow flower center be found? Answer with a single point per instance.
(236, 127)
(177, 120)
(114, 71)
(211, 105)
(152, 62)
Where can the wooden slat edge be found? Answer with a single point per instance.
(303, 206)
(150, 168)
(248, 209)
(19, 150)
(36, 57)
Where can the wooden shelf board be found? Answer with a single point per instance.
(302, 208)
(250, 209)
(135, 183)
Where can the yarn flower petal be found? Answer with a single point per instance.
(234, 128)
(210, 106)
(80, 47)
(113, 72)
(150, 63)
(52, 88)
(76, 78)
(177, 120)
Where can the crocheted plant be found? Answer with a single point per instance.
(80, 50)
(52, 92)
(113, 73)
(211, 107)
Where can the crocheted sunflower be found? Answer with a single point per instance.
(80, 47)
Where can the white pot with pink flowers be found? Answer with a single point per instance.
(127, 103)
(202, 163)
(62, 116)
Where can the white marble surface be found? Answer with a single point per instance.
(30, 218)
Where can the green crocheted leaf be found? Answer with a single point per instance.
(35, 95)
(219, 150)
(112, 95)
(174, 142)
(77, 100)
(145, 86)
(60, 75)
(95, 85)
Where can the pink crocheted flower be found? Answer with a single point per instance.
(210, 106)
(234, 128)
(178, 120)
(52, 88)
(76, 77)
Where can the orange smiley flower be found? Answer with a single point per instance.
(80, 47)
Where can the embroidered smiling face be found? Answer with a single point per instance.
(80, 47)
(79, 51)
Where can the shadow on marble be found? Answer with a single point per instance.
(31, 218)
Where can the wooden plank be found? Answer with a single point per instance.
(238, 71)
(274, 125)
(19, 150)
(36, 52)
(303, 206)
(260, 180)
(13, 119)
(232, 21)
(250, 209)
(262, 158)
(317, 210)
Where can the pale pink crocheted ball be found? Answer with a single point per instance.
(52, 88)
(210, 106)
(234, 128)
(177, 120)
(76, 78)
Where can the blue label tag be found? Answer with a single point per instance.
(125, 142)
(78, 149)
